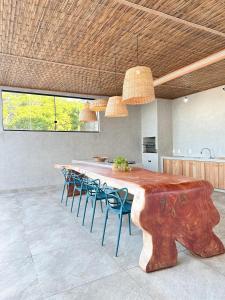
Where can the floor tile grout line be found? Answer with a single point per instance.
(86, 283)
(138, 285)
(202, 260)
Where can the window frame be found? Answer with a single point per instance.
(53, 95)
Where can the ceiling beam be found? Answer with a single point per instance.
(169, 17)
(60, 63)
(202, 63)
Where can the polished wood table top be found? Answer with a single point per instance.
(167, 208)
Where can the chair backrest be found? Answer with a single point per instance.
(69, 175)
(117, 198)
(92, 184)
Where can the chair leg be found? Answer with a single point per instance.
(85, 207)
(101, 206)
(63, 192)
(106, 218)
(78, 208)
(73, 199)
(93, 215)
(119, 232)
(68, 187)
(129, 224)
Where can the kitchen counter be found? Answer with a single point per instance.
(212, 170)
(219, 160)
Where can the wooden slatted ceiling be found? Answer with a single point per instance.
(36, 35)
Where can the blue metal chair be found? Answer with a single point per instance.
(119, 206)
(85, 186)
(70, 179)
(95, 193)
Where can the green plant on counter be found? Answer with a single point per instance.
(121, 163)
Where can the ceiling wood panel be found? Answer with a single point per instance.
(79, 34)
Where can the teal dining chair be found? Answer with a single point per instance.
(96, 193)
(85, 186)
(70, 179)
(117, 203)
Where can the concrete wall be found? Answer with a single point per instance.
(199, 123)
(157, 121)
(27, 158)
(164, 121)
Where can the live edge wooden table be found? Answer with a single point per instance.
(167, 208)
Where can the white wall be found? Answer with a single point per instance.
(164, 121)
(157, 121)
(199, 123)
(27, 158)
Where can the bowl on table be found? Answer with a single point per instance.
(100, 158)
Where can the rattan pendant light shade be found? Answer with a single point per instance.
(116, 108)
(98, 105)
(138, 86)
(87, 115)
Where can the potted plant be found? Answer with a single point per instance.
(120, 163)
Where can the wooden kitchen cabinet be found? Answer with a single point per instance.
(167, 166)
(193, 168)
(172, 166)
(212, 173)
(177, 167)
(198, 169)
(187, 168)
(221, 175)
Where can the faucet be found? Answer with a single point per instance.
(209, 150)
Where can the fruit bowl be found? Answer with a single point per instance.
(100, 158)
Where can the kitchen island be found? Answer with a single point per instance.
(167, 208)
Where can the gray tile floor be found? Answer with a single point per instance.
(45, 253)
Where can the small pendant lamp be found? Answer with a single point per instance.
(115, 107)
(138, 85)
(87, 115)
(98, 104)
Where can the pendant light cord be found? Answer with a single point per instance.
(137, 51)
(115, 73)
(99, 84)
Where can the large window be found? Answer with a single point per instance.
(36, 112)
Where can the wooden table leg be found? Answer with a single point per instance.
(186, 216)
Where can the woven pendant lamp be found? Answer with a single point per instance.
(87, 115)
(116, 108)
(138, 85)
(98, 105)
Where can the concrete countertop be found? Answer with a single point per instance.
(221, 160)
(104, 164)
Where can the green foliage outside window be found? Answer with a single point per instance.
(39, 112)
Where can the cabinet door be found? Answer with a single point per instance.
(187, 168)
(221, 176)
(177, 167)
(150, 161)
(198, 169)
(193, 168)
(167, 166)
(212, 173)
